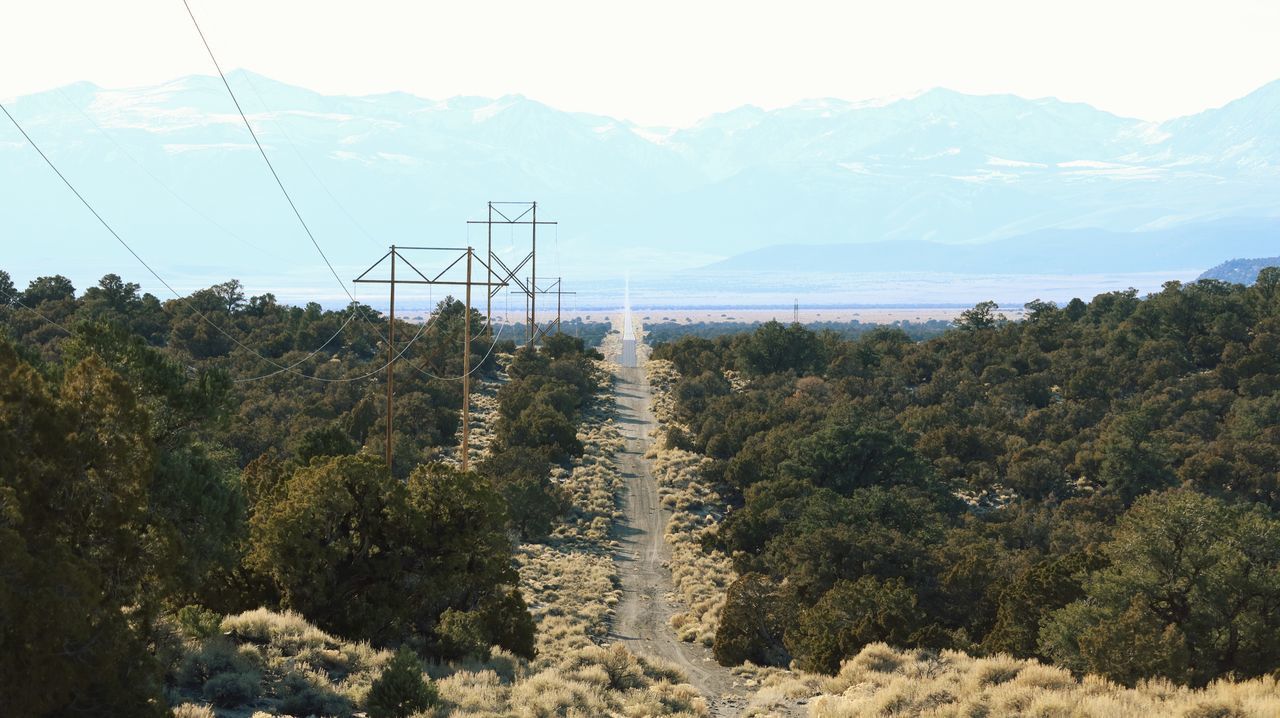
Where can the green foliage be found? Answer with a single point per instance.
(8, 292)
(538, 413)
(198, 623)
(1191, 592)
(980, 473)
(367, 556)
(1026, 603)
(402, 689)
(666, 335)
(982, 316)
(752, 623)
(776, 348)
(75, 604)
(324, 441)
(534, 501)
(48, 289)
(507, 621)
(851, 615)
(231, 689)
(137, 479)
(461, 634)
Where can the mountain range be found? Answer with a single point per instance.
(1240, 271)
(994, 183)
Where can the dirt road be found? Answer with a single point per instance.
(646, 605)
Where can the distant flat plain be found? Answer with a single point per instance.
(868, 297)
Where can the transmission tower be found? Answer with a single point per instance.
(507, 273)
(556, 288)
(465, 253)
(795, 312)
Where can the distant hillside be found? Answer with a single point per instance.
(174, 169)
(1241, 271)
(1053, 251)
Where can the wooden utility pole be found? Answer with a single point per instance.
(466, 371)
(467, 254)
(533, 280)
(391, 350)
(488, 296)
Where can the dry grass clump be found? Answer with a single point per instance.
(571, 595)
(776, 691)
(474, 693)
(484, 417)
(192, 710)
(593, 483)
(587, 682)
(272, 661)
(881, 681)
(701, 578)
(662, 377)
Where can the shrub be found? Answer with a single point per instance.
(198, 623)
(401, 690)
(307, 693)
(368, 556)
(462, 634)
(752, 623)
(227, 690)
(849, 616)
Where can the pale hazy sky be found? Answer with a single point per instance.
(664, 62)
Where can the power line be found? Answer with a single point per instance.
(14, 300)
(125, 244)
(281, 367)
(350, 315)
(263, 152)
(280, 183)
(285, 133)
(367, 374)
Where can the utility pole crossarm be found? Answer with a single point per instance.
(505, 270)
(557, 289)
(394, 253)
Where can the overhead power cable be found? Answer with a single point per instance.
(280, 183)
(263, 152)
(14, 300)
(125, 244)
(287, 138)
(274, 174)
(365, 375)
(280, 368)
(101, 220)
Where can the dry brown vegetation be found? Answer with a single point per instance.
(571, 585)
(484, 414)
(593, 484)
(881, 681)
(701, 578)
(274, 663)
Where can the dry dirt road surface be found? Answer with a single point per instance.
(647, 599)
